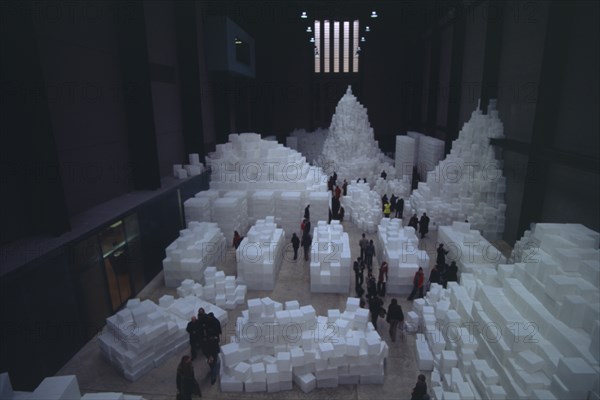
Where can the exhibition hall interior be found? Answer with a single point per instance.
(302, 171)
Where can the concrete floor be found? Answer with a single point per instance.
(97, 375)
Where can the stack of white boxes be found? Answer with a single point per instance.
(219, 289)
(350, 148)
(363, 206)
(310, 144)
(405, 157)
(210, 196)
(231, 213)
(260, 204)
(275, 346)
(248, 162)
(527, 330)
(289, 210)
(399, 246)
(197, 209)
(143, 335)
(431, 151)
(260, 255)
(401, 188)
(195, 167)
(64, 387)
(319, 206)
(417, 138)
(198, 246)
(330, 263)
(468, 184)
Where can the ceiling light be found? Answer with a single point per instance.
(362, 39)
(237, 41)
(374, 14)
(303, 15)
(312, 39)
(308, 29)
(367, 29)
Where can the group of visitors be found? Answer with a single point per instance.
(393, 206)
(337, 211)
(205, 336)
(420, 225)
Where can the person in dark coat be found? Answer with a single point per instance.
(420, 390)
(371, 286)
(307, 212)
(435, 276)
(305, 227)
(418, 282)
(382, 279)
(414, 222)
(358, 276)
(395, 317)
(345, 188)
(194, 329)
(440, 259)
(237, 239)
(383, 174)
(295, 245)
(186, 382)
(375, 304)
(399, 208)
(305, 242)
(369, 253)
(363, 243)
(334, 178)
(341, 214)
(335, 207)
(451, 273)
(393, 201)
(424, 225)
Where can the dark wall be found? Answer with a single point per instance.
(162, 56)
(78, 46)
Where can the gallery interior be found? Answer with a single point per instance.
(120, 123)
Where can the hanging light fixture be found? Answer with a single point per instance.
(374, 14)
(308, 29)
(303, 15)
(312, 39)
(367, 29)
(362, 39)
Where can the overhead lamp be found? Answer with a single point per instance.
(308, 29)
(362, 39)
(374, 14)
(312, 39)
(303, 15)
(237, 41)
(367, 29)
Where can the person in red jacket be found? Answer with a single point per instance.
(418, 282)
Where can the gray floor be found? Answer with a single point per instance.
(95, 374)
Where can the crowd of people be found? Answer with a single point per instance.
(205, 337)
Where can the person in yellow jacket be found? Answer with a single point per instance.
(387, 210)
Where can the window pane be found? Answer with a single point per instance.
(336, 46)
(355, 47)
(326, 46)
(346, 46)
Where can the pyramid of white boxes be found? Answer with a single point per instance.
(350, 148)
(401, 188)
(260, 254)
(363, 207)
(330, 263)
(200, 245)
(219, 289)
(399, 246)
(527, 330)
(64, 387)
(468, 183)
(144, 335)
(275, 346)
